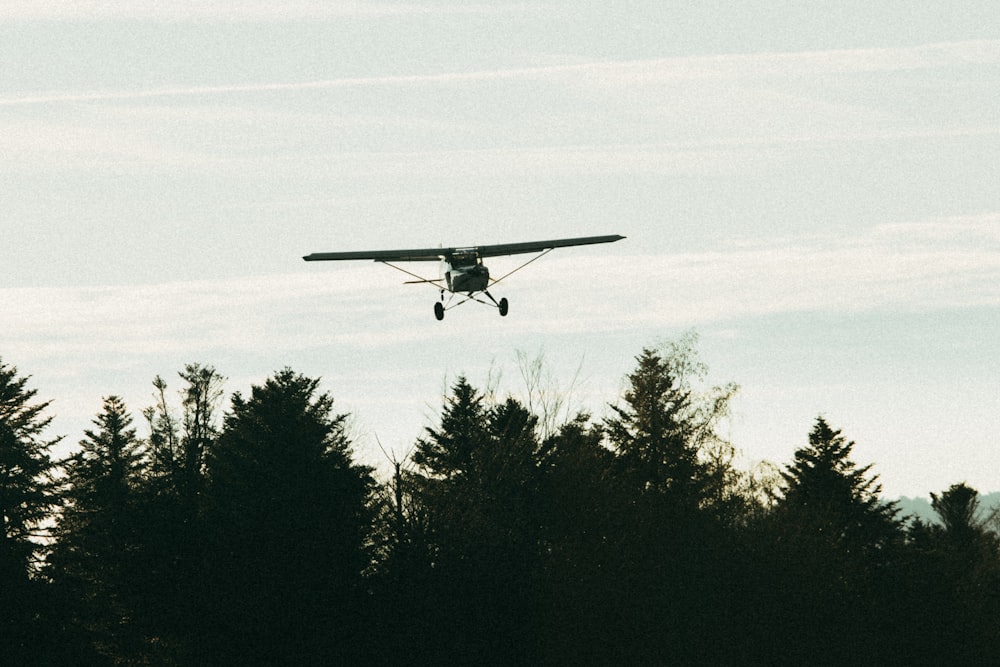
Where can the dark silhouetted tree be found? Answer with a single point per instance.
(825, 565)
(173, 532)
(288, 515)
(33, 627)
(670, 549)
(954, 574)
(28, 494)
(958, 511)
(453, 449)
(94, 562)
(665, 433)
(179, 445)
(833, 499)
(478, 482)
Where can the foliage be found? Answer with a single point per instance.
(28, 491)
(99, 531)
(29, 497)
(516, 533)
(666, 433)
(288, 515)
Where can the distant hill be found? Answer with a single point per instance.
(921, 507)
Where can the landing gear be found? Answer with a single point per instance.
(502, 305)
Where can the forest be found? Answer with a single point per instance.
(246, 532)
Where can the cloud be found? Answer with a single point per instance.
(227, 10)
(699, 115)
(616, 75)
(921, 266)
(938, 264)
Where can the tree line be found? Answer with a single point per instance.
(250, 534)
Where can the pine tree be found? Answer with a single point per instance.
(453, 449)
(479, 481)
(288, 516)
(668, 553)
(98, 535)
(665, 433)
(954, 574)
(827, 493)
(828, 559)
(29, 496)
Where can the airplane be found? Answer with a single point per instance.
(462, 268)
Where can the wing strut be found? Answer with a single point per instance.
(419, 279)
(509, 273)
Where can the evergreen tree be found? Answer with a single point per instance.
(583, 505)
(288, 513)
(28, 494)
(825, 565)
(671, 496)
(958, 511)
(453, 450)
(830, 496)
(479, 478)
(98, 535)
(665, 433)
(31, 625)
(954, 574)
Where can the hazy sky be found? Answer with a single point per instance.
(812, 187)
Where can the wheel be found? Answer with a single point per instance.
(503, 307)
(439, 310)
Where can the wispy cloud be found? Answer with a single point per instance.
(228, 10)
(937, 264)
(919, 267)
(617, 74)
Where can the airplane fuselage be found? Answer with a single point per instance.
(465, 273)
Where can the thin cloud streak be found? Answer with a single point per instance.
(226, 10)
(982, 52)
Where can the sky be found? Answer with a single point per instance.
(809, 187)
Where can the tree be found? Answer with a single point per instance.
(288, 515)
(98, 535)
(28, 492)
(478, 482)
(164, 448)
(829, 495)
(954, 575)
(827, 560)
(31, 625)
(665, 434)
(173, 530)
(958, 510)
(453, 449)
(179, 446)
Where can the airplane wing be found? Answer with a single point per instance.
(539, 246)
(434, 254)
(412, 255)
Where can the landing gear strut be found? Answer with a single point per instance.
(501, 305)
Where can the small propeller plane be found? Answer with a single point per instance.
(462, 269)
